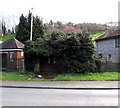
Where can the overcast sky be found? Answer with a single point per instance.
(76, 11)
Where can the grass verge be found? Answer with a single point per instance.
(15, 76)
(105, 76)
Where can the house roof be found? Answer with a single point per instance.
(109, 35)
(12, 44)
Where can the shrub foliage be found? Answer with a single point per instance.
(73, 53)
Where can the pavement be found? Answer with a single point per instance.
(62, 84)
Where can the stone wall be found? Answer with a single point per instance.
(109, 55)
(110, 67)
(107, 48)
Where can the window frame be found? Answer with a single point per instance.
(117, 42)
(11, 56)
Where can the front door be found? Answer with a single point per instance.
(4, 60)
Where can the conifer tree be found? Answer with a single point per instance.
(24, 28)
(22, 33)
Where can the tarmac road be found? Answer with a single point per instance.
(58, 97)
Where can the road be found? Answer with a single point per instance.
(58, 97)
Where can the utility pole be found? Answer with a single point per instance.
(31, 23)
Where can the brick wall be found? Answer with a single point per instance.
(17, 64)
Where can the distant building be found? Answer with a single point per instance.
(108, 50)
(11, 52)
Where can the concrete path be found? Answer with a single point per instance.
(61, 84)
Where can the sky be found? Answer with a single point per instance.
(76, 11)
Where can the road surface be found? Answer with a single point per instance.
(58, 97)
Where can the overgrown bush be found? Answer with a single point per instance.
(98, 64)
(30, 55)
(73, 53)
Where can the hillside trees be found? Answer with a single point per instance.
(54, 26)
(4, 30)
(7, 23)
(3, 27)
(70, 29)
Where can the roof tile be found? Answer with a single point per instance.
(12, 44)
(109, 34)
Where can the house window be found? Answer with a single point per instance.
(109, 57)
(117, 42)
(22, 54)
(11, 56)
(100, 56)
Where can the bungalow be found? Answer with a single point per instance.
(108, 50)
(11, 53)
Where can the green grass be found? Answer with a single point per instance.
(105, 76)
(14, 76)
(94, 36)
(7, 37)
